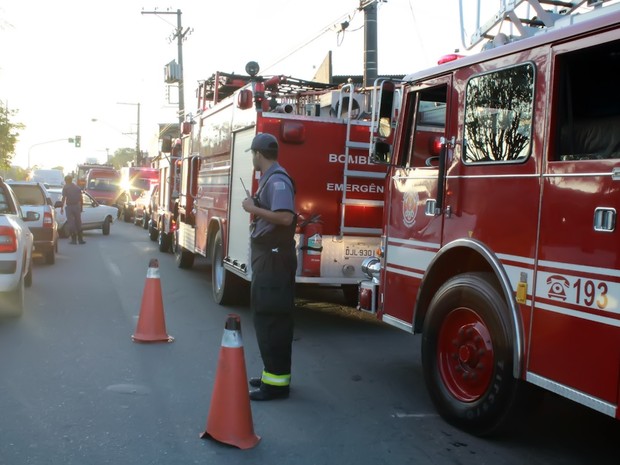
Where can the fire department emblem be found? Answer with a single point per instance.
(410, 208)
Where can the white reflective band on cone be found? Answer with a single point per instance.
(232, 339)
(152, 273)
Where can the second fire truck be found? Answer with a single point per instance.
(323, 134)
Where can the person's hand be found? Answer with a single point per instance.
(247, 204)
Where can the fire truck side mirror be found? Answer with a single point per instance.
(386, 105)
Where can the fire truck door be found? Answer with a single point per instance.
(576, 320)
(415, 216)
(242, 172)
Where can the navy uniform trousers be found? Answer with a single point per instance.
(274, 263)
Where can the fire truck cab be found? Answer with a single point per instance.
(500, 232)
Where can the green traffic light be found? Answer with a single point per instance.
(78, 141)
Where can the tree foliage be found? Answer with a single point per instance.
(9, 134)
(122, 157)
(499, 115)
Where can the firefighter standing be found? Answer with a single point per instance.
(274, 263)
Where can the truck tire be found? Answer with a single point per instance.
(105, 228)
(226, 286)
(467, 355)
(28, 277)
(163, 240)
(50, 256)
(153, 234)
(183, 257)
(13, 301)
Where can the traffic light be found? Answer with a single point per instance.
(78, 141)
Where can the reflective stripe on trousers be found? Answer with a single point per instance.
(275, 380)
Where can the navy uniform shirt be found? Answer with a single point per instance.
(72, 194)
(276, 195)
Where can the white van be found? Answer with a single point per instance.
(51, 178)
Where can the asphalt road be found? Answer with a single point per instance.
(76, 390)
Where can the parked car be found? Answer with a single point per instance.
(143, 207)
(33, 196)
(16, 247)
(94, 215)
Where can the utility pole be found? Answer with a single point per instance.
(179, 34)
(369, 7)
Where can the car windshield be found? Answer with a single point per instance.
(29, 194)
(103, 185)
(142, 184)
(55, 196)
(4, 206)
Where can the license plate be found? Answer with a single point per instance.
(358, 252)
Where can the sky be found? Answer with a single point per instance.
(75, 67)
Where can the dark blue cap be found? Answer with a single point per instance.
(264, 142)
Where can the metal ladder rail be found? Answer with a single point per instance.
(349, 173)
(507, 11)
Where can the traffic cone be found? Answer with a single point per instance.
(230, 416)
(151, 325)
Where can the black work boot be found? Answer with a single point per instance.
(266, 392)
(80, 240)
(73, 239)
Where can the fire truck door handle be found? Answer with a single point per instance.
(605, 219)
(429, 207)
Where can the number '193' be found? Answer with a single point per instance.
(591, 292)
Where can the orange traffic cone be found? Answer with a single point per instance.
(230, 416)
(151, 323)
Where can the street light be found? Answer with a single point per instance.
(138, 153)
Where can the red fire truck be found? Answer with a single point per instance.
(324, 138)
(83, 169)
(500, 232)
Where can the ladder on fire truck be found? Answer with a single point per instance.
(348, 90)
(525, 18)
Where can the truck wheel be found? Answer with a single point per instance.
(50, 256)
(13, 300)
(105, 227)
(152, 231)
(467, 355)
(28, 277)
(126, 216)
(226, 285)
(183, 257)
(164, 242)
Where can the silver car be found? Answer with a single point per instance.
(16, 247)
